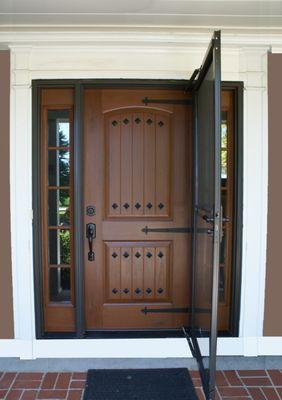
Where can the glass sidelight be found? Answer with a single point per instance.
(227, 194)
(55, 174)
(54, 223)
(59, 185)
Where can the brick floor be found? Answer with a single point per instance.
(231, 385)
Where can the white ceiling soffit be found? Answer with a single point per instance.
(177, 13)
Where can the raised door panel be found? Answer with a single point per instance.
(138, 162)
(138, 271)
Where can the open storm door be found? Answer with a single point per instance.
(207, 212)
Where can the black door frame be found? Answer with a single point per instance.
(79, 86)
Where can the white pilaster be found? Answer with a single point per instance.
(21, 200)
(253, 71)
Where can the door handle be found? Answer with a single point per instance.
(211, 219)
(91, 235)
(222, 221)
(208, 219)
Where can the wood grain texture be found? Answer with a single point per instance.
(135, 155)
(138, 162)
(58, 316)
(137, 271)
(140, 156)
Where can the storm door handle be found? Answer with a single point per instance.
(208, 219)
(91, 235)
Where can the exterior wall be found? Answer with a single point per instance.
(273, 292)
(118, 56)
(6, 301)
(139, 55)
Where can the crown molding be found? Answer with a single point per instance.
(135, 38)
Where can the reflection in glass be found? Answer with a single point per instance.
(59, 167)
(223, 202)
(224, 164)
(59, 207)
(59, 284)
(205, 202)
(222, 247)
(224, 176)
(59, 246)
(58, 128)
(221, 284)
(224, 130)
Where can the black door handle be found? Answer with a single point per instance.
(91, 235)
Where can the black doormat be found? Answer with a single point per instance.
(139, 384)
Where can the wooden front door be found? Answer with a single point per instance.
(137, 173)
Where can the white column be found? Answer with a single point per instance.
(21, 199)
(253, 71)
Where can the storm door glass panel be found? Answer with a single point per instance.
(207, 213)
(59, 205)
(205, 206)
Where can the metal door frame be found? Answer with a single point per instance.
(212, 56)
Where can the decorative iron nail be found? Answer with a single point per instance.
(160, 290)
(115, 291)
(137, 291)
(148, 290)
(160, 254)
(137, 120)
(160, 123)
(149, 255)
(114, 255)
(114, 122)
(137, 254)
(149, 205)
(161, 206)
(125, 254)
(114, 206)
(126, 121)
(137, 205)
(126, 206)
(126, 291)
(149, 121)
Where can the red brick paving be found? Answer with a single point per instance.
(231, 385)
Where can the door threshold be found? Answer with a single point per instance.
(123, 334)
(133, 333)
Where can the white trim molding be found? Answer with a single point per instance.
(133, 348)
(167, 55)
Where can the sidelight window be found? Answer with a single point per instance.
(59, 205)
(227, 185)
